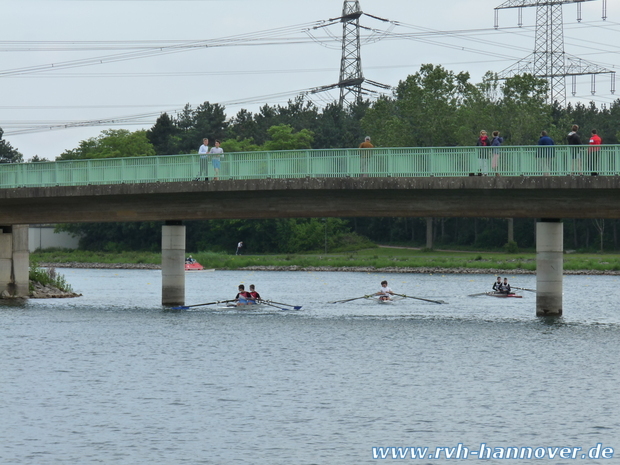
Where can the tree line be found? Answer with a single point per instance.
(433, 107)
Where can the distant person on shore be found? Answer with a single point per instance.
(385, 293)
(365, 156)
(203, 151)
(239, 247)
(216, 152)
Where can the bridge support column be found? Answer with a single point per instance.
(14, 261)
(549, 267)
(429, 233)
(511, 230)
(173, 263)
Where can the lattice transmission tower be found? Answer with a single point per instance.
(351, 78)
(549, 60)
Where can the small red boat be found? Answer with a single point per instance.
(193, 266)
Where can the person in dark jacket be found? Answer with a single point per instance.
(544, 153)
(496, 141)
(575, 141)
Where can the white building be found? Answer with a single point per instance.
(42, 236)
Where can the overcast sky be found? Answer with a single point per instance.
(64, 62)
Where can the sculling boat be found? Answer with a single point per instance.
(378, 300)
(234, 306)
(501, 294)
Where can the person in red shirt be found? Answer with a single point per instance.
(593, 152)
(254, 296)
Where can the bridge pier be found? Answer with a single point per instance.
(429, 233)
(14, 261)
(173, 263)
(549, 267)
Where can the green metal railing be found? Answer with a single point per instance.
(394, 162)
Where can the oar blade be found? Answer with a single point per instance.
(420, 298)
(182, 307)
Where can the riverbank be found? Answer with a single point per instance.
(359, 269)
(387, 260)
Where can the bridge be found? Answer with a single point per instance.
(531, 182)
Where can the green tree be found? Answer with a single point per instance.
(283, 137)
(524, 110)
(112, 143)
(164, 136)
(7, 153)
(423, 112)
(207, 120)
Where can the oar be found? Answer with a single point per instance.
(296, 307)
(349, 300)
(476, 295)
(524, 289)
(186, 307)
(271, 305)
(420, 298)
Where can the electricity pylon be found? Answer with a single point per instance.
(351, 75)
(549, 60)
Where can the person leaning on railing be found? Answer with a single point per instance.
(483, 155)
(594, 152)
(574, 141)
(365, 156)
(544, 154)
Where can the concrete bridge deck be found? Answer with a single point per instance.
(473, 196)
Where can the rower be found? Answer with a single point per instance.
(497, 284)
(254, 296)
(242, 296)
(385, 292)
(505, 287)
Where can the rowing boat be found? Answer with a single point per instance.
(378, 300)
(501, 294)
(232, 305)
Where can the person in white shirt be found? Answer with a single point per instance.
(216, 152)
(385, 293)
(203, 151)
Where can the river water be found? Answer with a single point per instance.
(112, 377)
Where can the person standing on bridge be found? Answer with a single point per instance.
(365, 156)
(203, 151)
(593, 152)
(574, 141)
(496, 141)
(483, 154)
(216, 153)
(544, 152)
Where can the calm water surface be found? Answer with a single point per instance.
(112, 377)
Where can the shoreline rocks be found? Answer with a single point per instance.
(50, 292)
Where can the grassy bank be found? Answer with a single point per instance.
(376, 257)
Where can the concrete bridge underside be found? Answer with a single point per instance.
(495, 197)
